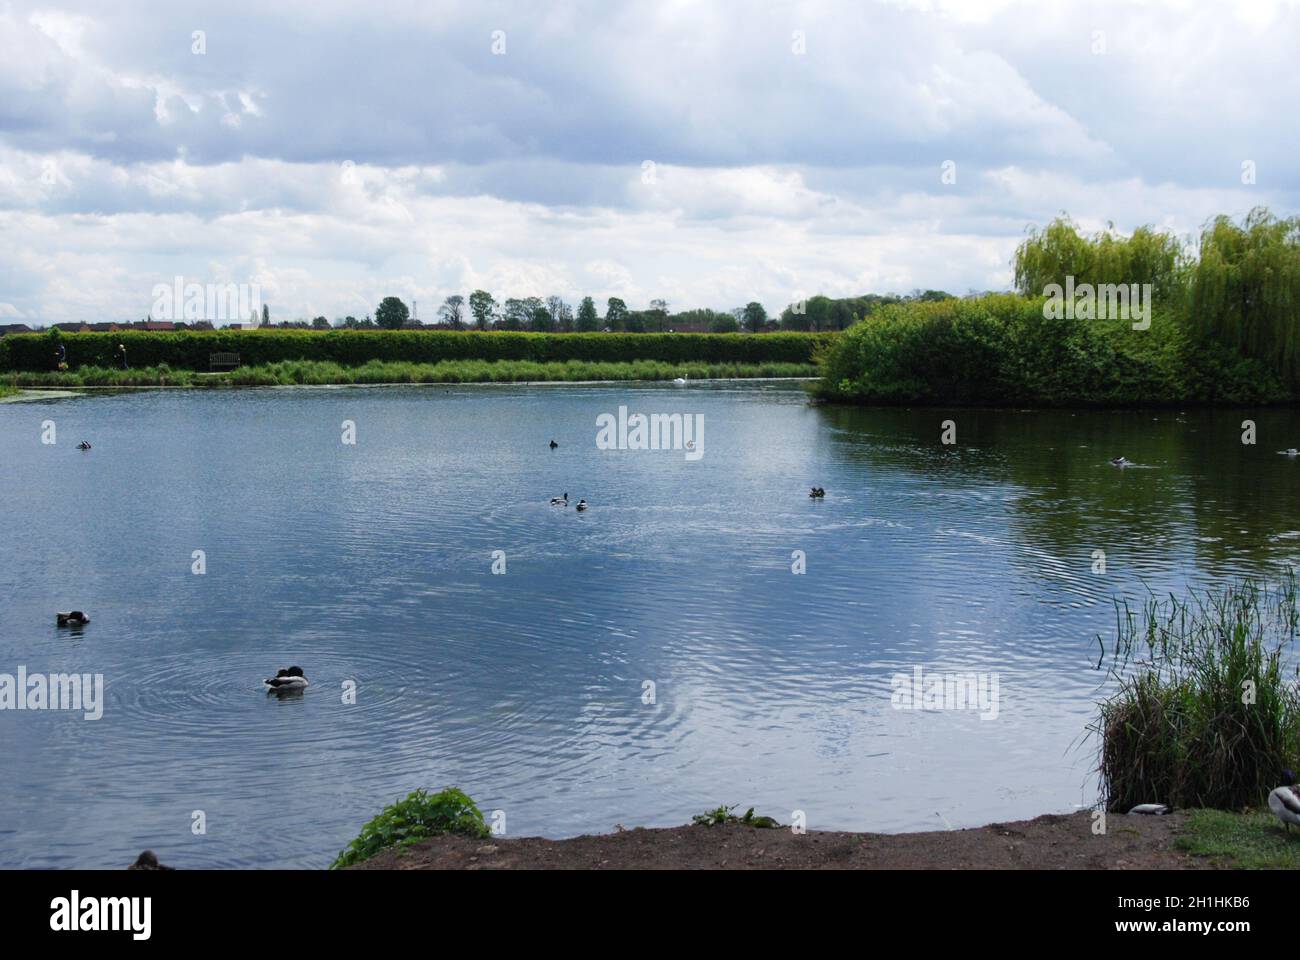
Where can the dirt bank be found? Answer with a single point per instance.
(1049, 842)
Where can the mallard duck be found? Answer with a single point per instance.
(817, 493)
(74, 619)
(83, 445)
(560, 501)
(582, 505)
(1121, 462)
(1284, 802)
(1291, 452)
(554, 444)
(287, 678)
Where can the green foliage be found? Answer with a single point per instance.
(392, 313)
(1001, 349)
(588, 320)
(1245, 290)
(1049, 255)
(482, 306)
(724, 815)
(754, 316)
(420, 815)
(1240, 841)
(1210, 717)
(321, 372)
(191, 350)
(615, 314)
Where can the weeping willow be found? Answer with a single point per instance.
(1245, 288)
(1058, 251)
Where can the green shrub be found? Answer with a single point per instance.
(420, 815)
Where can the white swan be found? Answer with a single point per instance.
(681, 381)
(1284, 803)
(1292, 452)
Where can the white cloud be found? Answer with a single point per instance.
(341, 155)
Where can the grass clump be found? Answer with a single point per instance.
(722, 815)
(420, 815)
(1246, 841)
(1207, 717)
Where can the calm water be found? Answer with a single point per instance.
(372, 563)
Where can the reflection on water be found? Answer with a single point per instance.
(372, 564)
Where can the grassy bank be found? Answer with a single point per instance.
(7, 390)
(192, 350)
(309, 372)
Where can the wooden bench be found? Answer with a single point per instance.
(223, 361)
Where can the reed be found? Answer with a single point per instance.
(1206, 711)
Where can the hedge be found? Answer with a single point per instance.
(190, 350)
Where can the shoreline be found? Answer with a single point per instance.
(1050, 841)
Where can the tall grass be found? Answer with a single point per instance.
(1207, 712)
(317, 372)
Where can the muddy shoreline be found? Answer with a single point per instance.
(1049, 842)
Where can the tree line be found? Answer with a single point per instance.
(482, 311)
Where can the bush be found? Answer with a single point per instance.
(420, 815)
(190, 350)
(1001, 349)
(1211, 718)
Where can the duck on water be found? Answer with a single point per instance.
(286, 679)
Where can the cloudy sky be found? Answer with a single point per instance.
(705, 153)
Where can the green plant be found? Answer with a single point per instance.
(1209, 717)
(724, 815)
(1240, 841)
(420, 815)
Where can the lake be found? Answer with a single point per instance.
(371, 566)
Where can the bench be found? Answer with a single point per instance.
(223, 361)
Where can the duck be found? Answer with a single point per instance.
(148, 860)
(83, 445)
(287, 678)
(1150, 809)
(681, 381)
(74, 619)
(582, 505)
(1121, 462)
(1291, 452)
(817, 493)
(554, 444)
(1284, 801)
(560, 501)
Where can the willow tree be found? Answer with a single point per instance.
(1245, 289)
(1058, 251)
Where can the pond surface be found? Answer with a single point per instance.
(371, 564)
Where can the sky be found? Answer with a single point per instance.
(329, 154)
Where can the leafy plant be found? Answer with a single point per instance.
(420, 815)
(724, 815)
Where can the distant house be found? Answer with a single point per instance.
(78, 327)
(103, 328)
(7, 328)
(158, 326)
